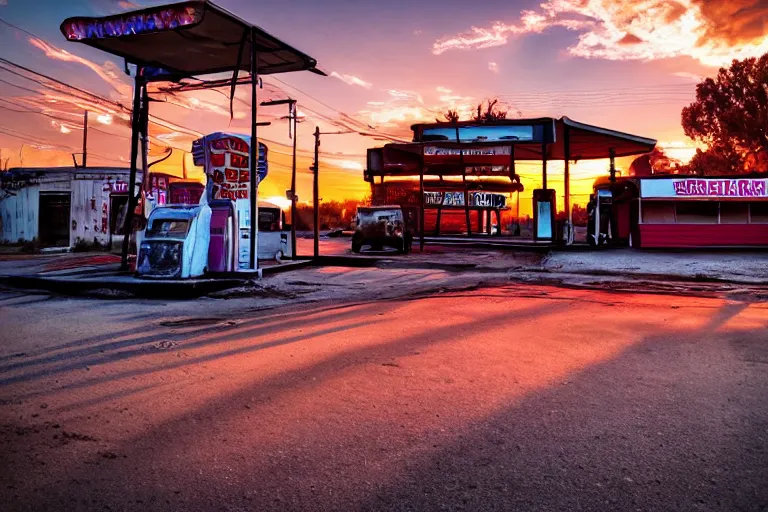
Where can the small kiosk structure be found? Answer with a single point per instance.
(483, 155)
(679, 211)
(184, 40)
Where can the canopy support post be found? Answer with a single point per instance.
(543, 162)
(567, 185)
(467, 218)
(612, 169)
(136, 115)
(254, 156)
(294, 113)
(421, 202)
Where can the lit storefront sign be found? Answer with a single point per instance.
(158, 20)
(489, 151)
(478, 161)
(487, 200)
(120, 187)
(476, 199)
(704, 188)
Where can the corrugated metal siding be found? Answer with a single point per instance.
(90, 211)
(703, 235)
(19, 215)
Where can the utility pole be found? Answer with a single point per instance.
(316, 184)
(85, 139)
(316, 192)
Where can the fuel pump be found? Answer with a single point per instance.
(600, 210)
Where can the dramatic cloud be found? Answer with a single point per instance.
(349, 164)
(403, 108)
(3, 3)
(108, 72)
(690, 76)
(406, 95)
(493, 67)
(352, 80)
(710, 31)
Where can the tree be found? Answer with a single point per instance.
(490, 114)
(449, 116)
(655, 162)
(715, 160)
(730, 115)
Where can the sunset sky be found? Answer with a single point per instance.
(629, 65)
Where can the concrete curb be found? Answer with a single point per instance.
(122, 286)
(155, 289)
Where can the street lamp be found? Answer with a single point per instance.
(292, 117)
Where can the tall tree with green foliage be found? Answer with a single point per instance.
(730, 116)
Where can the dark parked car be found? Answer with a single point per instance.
(381, 226)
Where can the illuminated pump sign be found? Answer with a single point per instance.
(226, 159)
(476, 199)
(704, 188)
(147, 21)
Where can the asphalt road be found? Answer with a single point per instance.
(512, 398)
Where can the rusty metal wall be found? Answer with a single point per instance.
(90, 210)
(19, 215)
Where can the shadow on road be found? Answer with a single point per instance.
(484, 409)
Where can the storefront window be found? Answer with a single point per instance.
(662, 212)
(696, 212)
(481, 133)
(759, 212)
(734, 212)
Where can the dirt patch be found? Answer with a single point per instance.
(192, 322)
(256, 290)
(76, 436)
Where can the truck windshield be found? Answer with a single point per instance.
(371, 217)
(168, 228)
(269, 219)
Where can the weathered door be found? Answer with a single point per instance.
(54, 219)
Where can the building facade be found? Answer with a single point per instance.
(63, 206)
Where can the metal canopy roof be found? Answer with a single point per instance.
(195, 37)
(592, 142)
(586, 142)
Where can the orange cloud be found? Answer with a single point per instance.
(404, 108)
(107, 72)
(352, 80)
(710, 31)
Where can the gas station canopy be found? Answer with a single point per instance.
(189, 38)
(449, 149)
(589, 142)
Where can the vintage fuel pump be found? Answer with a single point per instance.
(213, 236)
(544, 227)
(599, 229)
